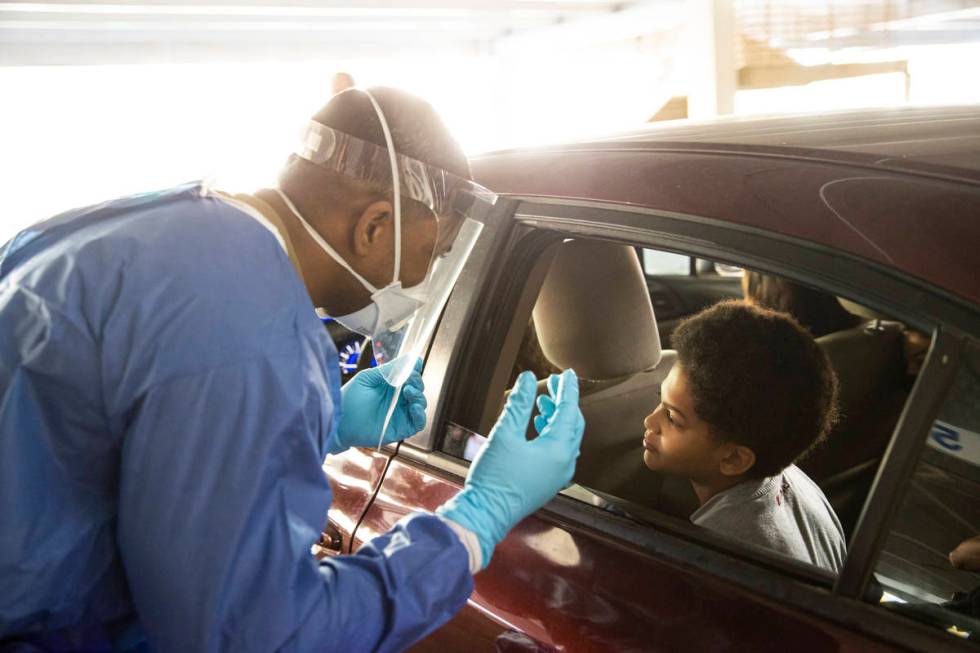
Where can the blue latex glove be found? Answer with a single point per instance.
(512, 476)
(546, 405)
(365, 400)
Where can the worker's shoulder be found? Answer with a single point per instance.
(199, 240)
(183, 248)
(203, 226)
(147, 243)
(172, 232)
(202, 284)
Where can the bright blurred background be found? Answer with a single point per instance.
(102, 99)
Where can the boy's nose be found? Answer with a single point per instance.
(650, 423)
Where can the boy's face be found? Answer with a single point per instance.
(677, 441)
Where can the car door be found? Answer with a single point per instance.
(576, 576)
(354, 477)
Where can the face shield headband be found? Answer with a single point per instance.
(362, 160)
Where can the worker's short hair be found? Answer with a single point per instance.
(416, 132)
(416, 129)
(759, 379)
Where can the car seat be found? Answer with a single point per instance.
(594, 315)
(870, 367)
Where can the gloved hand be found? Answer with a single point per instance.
(512, 476)
(546, 405)
(365, 400)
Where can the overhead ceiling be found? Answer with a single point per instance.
(182, 30)
(838, 24)
(139, 31)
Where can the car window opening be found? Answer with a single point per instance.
(610, 313)
(875, 358)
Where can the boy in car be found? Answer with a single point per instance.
(750, 393)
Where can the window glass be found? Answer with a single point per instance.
(657, 263)
(929, 566)
(461, 442)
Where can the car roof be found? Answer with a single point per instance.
(946, 137)
(756, 172)
(937, 138)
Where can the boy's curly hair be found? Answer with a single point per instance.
(758, 378)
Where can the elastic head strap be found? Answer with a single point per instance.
(395, 184)
(323, 243)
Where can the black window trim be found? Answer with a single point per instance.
(923, 305)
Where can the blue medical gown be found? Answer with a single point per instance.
(167, 398)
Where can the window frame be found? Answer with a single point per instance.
(491, 290)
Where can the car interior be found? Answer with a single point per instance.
(598, 311)
(595, 313)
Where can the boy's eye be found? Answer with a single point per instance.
(670, 418)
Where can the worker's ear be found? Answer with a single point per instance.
(737, 460)
(374, 228)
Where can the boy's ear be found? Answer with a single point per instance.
(737, 460)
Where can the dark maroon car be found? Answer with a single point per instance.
(594, 253)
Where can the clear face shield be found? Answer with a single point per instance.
(400, 321)
(403, 343)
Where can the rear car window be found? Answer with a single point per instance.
(659, 263)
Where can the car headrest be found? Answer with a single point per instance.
(865, 358)
(594, 312)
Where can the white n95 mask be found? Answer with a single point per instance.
(399, 321)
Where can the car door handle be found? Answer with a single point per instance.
(331, 542)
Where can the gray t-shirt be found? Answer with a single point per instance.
(787, 513)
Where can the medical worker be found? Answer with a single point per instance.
(168, 395)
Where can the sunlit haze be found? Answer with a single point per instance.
(74, 135)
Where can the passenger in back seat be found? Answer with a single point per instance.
(819, 312)
(750, 393)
